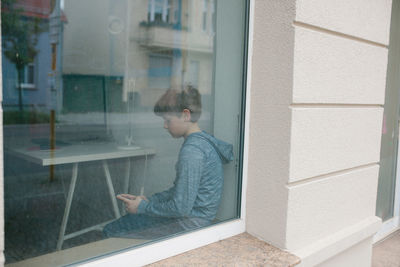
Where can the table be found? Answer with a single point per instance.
(75, 154)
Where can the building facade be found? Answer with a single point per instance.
(318, 124)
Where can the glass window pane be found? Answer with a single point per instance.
(133, 133)
(390, 130)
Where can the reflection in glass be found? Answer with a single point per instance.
(79, 91)
(390, 129)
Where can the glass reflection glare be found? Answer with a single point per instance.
(85, 155)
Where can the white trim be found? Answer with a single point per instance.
(248, 103)
(387, 228)
(177, 245)
(396, 209)
(392, 224)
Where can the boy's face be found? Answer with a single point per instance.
(175, 124)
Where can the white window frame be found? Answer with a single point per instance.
(393, 224)
(26, 85)
(180, 244)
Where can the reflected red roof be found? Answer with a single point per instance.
(37, 8)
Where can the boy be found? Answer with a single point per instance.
(194, 199)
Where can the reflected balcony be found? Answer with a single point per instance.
(156, 35)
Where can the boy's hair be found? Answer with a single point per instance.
(175, 101)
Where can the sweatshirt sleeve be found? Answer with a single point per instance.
(183, 194)
(162, 196)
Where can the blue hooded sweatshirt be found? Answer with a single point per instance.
(196, 194)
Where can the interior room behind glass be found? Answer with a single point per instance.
(78, 99)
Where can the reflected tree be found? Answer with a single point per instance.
(20, 36)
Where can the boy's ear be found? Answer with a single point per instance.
(186, 114)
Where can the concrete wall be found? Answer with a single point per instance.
(356, 256)
(318, 88)
(270, 120)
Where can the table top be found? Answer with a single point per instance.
(76, 153)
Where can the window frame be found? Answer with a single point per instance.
(166, 6)
(142, 255)
(26, 84)
(393, 224)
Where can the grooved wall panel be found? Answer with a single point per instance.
(324, 206)
(333, 69)
(368, 20)
(326, 140)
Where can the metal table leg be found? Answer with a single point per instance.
(144, 176)
(68, 206)
(111, 189)
(62, 237)
(126, 181)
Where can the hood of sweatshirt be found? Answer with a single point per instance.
(224, 149)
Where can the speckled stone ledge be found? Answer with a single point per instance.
(240, 250)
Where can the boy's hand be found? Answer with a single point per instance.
(131, 202)
(126, 196)
(144, 198)
(131, 197)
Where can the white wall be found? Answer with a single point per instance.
(270, 120)
(357, 256)
(340, 52)
(319, 74)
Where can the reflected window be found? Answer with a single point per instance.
(193, 73)
(159, 11)
(175, 10)
(29, 76)
(204, 15)
(160, 69)
(212, 16)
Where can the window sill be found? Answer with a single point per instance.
(242, 249)
(79, 253)
(27, 86)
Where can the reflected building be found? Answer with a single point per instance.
(37, 76)
(135, 50)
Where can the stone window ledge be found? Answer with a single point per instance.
(239, 250)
